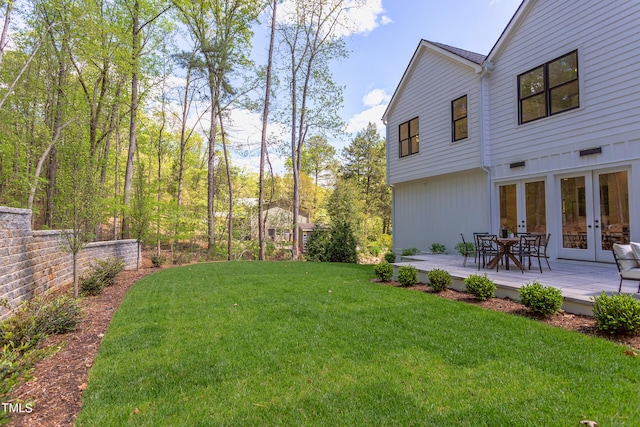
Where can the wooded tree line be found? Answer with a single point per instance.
(113, 118)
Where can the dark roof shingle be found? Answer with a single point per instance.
(471, 56)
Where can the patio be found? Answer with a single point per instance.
(579, 281)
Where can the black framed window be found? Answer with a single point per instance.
(409, 137)
(460, 127)
(549, 89)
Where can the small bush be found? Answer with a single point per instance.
(465, 248)
(481, 287)
(409, 251)
(541, 299)
(20, 334)
(390, 257)
(317, 243)
(407, 275)
(108, 269)
(439, 280)
(342, 246)
(374, 250)
(383, 271)
(101, 274)
(157, 260)
(438, 248)
(39, 317)
(91, 285)
(58, 316)
(181, 258)
(617, 314)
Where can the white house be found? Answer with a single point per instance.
(541, 135)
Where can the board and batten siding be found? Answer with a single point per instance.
(438, 209)
(606, 35)
(433, 82)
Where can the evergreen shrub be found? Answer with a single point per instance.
(481, 287)
(439, 280)
(543, 300)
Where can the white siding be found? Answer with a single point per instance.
(438, 209)
(607, 37)
(432, 83)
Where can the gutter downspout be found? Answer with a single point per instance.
(486, 68)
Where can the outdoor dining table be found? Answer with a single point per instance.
(505, 244)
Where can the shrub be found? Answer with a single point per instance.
(465, 248)
(157, 260)
(39, 317)
(409, 251)
(108, 269)
(481, 287)
(617, 314)
(385, 240)
(438, 248)
(383, 271)
(342, 246)
(181, 258)
(390, 257)
(60, 315)
(407, 275)
(102, 273)
(374, 250)
(543, 300)
(91, 285)
(439, 280)
(317, 243)
(20, 334)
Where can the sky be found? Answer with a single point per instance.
(388, 33)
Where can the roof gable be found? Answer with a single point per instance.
(510, 29)
(463, 57)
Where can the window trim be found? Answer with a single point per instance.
(547, 90)
(410, 151)
(454, 120)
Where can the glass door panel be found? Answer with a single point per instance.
(536, 220)
(613, 192)
(509, 207)
(574, 213)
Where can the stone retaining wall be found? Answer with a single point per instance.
(33, 262)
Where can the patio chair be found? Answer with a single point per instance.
(528, 248)
(628, 266)
(488, 248)
(466, 251)
(475, 242)
(544, 244)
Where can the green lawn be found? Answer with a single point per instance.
(280, 343)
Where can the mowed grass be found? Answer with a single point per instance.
(279, 343)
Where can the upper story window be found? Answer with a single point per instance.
(549, 89)
(409, 138)
(460, 129)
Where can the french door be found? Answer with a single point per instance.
(523, 207)
(594, 209)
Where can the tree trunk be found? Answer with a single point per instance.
(263, 140)
(211, 178)
(230, 217)
(128, 176)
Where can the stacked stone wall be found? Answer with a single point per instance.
(33, 262)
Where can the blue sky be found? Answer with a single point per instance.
(386, 35)
(379, 57)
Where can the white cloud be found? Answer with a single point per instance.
(362, 119)
(376, 100)
(358, 16)
(376, 97)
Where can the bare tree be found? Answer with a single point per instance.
(309, 43)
